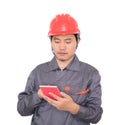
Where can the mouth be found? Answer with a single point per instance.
(62, 53)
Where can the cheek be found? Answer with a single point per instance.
(54, 48)
(72, 48)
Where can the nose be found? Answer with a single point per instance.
(62, 46)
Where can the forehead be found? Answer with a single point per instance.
(72, 36)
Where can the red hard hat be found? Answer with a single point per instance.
(63, 24)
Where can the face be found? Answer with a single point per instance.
(64, 47)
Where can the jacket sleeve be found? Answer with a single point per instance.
(92, 110)
(28, 100)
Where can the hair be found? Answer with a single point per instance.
(77, 37)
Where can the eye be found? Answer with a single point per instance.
(68, 41)
(57, 41)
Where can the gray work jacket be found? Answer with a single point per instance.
(85, 89)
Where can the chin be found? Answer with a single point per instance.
(61, 59)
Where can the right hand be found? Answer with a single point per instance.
(40, 94)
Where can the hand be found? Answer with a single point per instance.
(64, 103)
(40, 94)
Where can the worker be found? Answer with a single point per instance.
(79, 83)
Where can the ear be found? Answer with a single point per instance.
(78, 41)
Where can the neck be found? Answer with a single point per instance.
(64, 63)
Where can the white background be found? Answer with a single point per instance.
(24, 43)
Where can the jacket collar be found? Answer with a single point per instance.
(73, 66)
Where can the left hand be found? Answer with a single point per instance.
(64, 103)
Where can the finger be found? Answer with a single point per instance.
(55, 96)
(48, 98)
(51, 101)
(40, 94)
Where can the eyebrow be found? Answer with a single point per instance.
(55, 38)
(68, 39)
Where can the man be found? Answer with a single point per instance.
(79, 82)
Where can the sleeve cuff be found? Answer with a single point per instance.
(81, 113)
(36, 99)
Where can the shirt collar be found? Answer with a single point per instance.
(73, 66)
